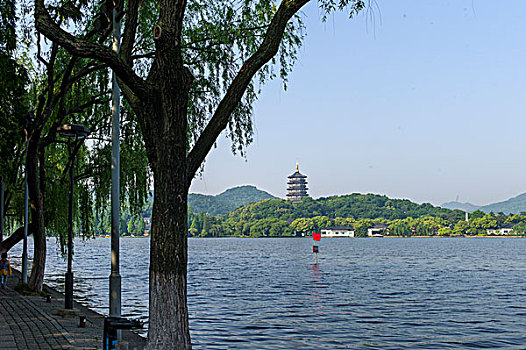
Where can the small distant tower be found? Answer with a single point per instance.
(297, 189)
(467, 217)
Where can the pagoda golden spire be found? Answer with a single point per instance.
(297, 167)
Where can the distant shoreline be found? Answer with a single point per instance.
(386, 236)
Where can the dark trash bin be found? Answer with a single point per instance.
(111, 325)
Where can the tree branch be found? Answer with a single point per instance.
(76, 146)
(16, 237)
(130, 30)
(268, 49)
(67, 81)
(78, 109)
(91, 68)
(39, 53)
(84, 48)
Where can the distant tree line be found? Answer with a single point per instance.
(277, 217)
(136, 222)
(132, 222)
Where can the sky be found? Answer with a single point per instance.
(424, 100)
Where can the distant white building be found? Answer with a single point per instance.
(337, 231)
(504, 230)
(378, 231)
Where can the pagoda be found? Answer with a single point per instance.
(297, 189)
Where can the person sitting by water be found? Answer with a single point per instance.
(5, 269)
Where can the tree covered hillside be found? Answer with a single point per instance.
(514, 205)
(278, 217)
(356, 205)
(227, 201)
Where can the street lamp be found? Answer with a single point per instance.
(75, 132)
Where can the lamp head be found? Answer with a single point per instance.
(73, 131)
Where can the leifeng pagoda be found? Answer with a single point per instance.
(297, 189)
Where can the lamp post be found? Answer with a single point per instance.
(75, 132)
(115, 277)
(111, 13)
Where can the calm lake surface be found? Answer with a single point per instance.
(372, 293)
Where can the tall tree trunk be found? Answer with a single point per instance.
(37, 224)
(168, 260)
(36, 279)
(169, 239)
(164, 126)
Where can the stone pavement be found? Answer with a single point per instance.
(29, 322)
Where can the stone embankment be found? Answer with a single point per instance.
(32, 322)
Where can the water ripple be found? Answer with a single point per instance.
(363, 294)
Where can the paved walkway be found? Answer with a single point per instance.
(29, 322)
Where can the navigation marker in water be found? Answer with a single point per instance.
(316, 237)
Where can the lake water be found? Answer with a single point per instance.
(372, 293)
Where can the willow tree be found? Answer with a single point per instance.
(70, 90)
(13, 102)
(64, 89)
(189, 70)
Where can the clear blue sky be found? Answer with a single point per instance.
(424, 100)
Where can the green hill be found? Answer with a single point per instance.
(514, 205)
(227, 201)
(356, 206)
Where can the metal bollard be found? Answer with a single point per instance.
(82, 321)
(111, 325)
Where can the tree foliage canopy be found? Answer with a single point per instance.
(188, 71)
(13, 109)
